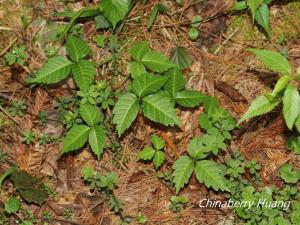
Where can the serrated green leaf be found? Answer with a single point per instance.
(183, 169)
(138, 51)
(84, 73)
(281, 84)
(136, 69)
(175, 83)
(159, 158)
(196, 149)
(253, 5)
(77, 48)
(159, 108)
(181, 57)
(75, 138)
(56, 69)
(291, 105)
(189, 98)
(261, 105)
(115, 10)
(297, 123)
(12, 205)
(146, 84)
(262, 17)
(157, 142)
(125, 111)
(210, 173)
(147, 153)
(97, 140)
(293, 143)
(90, 114)
(273, 61)
(157, 62)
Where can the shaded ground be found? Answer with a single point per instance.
(218, 55)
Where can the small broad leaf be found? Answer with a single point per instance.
(273, 61)
(159, 108)
(183, 169)
(261, 105)
(181, 57)
(30, 188)
(253, 5)
(157, 62)
(193, 33)
(262, 17)
(189, 98)
(90, 114)
(97, 140)
(291, 105)
(157, 142)
(210, 173)
(293, 143)
(146, 84)
(288, 175)
(136, 69)
(125, 111)
(75, 138)
(56, 69)
(115, 10)
(159, 158)
(84, 73)
(281, 84)
(12, 205)
(147, 153)
(175, 83)
(297, 123)
(138, 51)
(77, 48)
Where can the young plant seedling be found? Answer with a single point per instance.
(156, 154)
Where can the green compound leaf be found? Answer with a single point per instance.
(157, 62)
(210, 173)
(84, 73)
(147, 153)
(77, 48)
(56, 69)
(138, 51)
(90, 114)
(146, 84)
(273, 61)
(115, 10)
(183, 169)
(159, 108)
(197, 149)
(189, 98)
(125, 111)
(75, 138)
(175, 83)
(159, 158)
(291, 105)
(97, 140)
(261, 105)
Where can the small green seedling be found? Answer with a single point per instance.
(16, 55)
(253, 166)
(156, 154)
(177, 203)
(28, 137)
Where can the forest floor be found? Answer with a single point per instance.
(221, 67)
